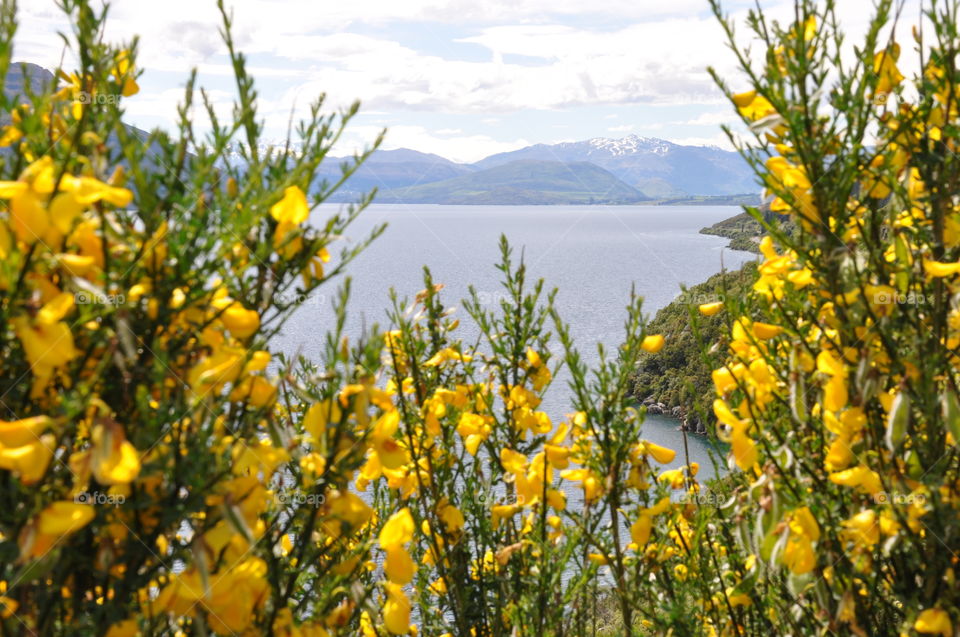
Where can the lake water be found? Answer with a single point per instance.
(593, 254)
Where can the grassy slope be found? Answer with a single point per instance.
(677, 374)
(744, 231)
(525, 181)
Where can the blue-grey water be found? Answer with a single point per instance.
(593, 254)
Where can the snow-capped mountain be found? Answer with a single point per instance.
(631, 144)
(656, 166)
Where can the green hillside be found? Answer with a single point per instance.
(523, 182)
(677, 375)
(745, 232)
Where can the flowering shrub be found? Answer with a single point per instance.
(164, 472)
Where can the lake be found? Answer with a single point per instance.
(593, 254)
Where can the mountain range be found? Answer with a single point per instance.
(600, 170)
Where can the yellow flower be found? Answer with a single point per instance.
(835, 394)
(653, 343)
(753, 106)
(557, 455)
(709, 309)
(556, 499)
(123, 72)
(500, 511)
(640, 530)
(863, 528)
(347, 513)
(512, 461)
(660, 454)
(737, 598)
(398, 530)
(241, 322)
(725, 415)
(396, 611)
(592, 485)
(447, 354)
(599, 559)
(125, 628)
(29, 461)
(938, 270)
(293, 209)
(885, 65)
(390, 452)
(723, 380)
(765, 331)
(114, 459)
(744, 449)
(798, 554)
(47, 341)
(934, 621)
(64, 517)
(674, 477)
(88, 190)
(316, 419)
(21, 432)
(399, 566)
(786, 175)
(861, 477)
(27, 196)
(452, 518)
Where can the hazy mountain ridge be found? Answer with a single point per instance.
(656, 168)
(691, 170)
(523, 182)
(392, 169)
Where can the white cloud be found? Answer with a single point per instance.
(623, 128)
(719, 140)
(656, 53)
(715, 118)
(460, 148)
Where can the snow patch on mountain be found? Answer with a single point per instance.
(631, 145)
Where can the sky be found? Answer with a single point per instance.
(460, 78)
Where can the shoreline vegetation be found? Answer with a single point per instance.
(676, 381)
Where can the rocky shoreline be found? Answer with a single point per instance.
(689, 420)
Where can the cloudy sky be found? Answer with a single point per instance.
(460, 78)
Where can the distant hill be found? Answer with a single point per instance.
(670, 173)
(745, 199)
(665, 169)
(745, 232)
(523, 182)
(22, 73)
(388, 169)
